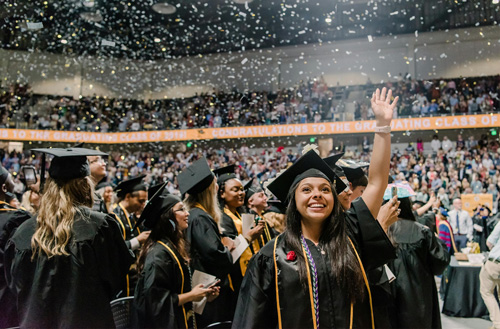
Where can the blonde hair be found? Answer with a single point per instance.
(208, 200)
(60, 202)
(26, 202)
(275, 220)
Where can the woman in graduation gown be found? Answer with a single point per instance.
(420, 256)
(209, 251)
(232, 198)
(64, 265)
(163, 295)
(314, 274)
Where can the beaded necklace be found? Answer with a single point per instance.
(314, 273)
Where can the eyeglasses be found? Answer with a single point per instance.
(181, 210)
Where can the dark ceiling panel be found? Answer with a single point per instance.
(131, 29)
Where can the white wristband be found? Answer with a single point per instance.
(383, 129)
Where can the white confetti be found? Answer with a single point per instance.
(370, 38)
(34, 25)
(105, 42)
(244, 61)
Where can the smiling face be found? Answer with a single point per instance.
(258, 200)
(314, 199)
(181, 216)
(233, 194)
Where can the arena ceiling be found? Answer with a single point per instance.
(134, 29)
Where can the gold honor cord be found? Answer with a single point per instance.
(182, 276)
(309, 283)
(366, 283)
(121, 224)
(128, 219)
(280, 325)
(228, 276)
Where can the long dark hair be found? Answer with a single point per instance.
(164, 230)
(344, 264)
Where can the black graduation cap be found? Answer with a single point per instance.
(160, 202)
(308, 165)
(276, 206)
(130, 185)
(333, 162)
(353, 169)
(250, 189)
(195, 178)
(4, 173)
(104, 184)
(225, 173)
(153, 189)
(68, 163)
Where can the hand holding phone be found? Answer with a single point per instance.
(394, 191)
(211, 284)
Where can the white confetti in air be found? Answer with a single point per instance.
(105, 42)
(370, 38)
(244, 61)
(394, 13)
(34, 25)
(412, 18)
(443, 55)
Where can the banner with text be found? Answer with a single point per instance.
(314, 129)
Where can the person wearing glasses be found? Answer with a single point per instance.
(98, 173)
(163, 296)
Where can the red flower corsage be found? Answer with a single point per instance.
(291, 256)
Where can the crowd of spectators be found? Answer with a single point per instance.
(309, 101)
(443, 168)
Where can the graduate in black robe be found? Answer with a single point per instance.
(163, 296)
(132, 194)
(232, 199)
(66, 283)
(210, 252)
(315, 273)
(10, 219)
(273, 281)
(420, 256)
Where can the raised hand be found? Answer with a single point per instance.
(382, 106)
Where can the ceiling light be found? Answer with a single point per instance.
(164, 8)
(91, 17)
(88, 3)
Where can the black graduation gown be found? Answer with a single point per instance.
(420, 256)
(156, 302)
(257, 304)
(10, 219)
(129, 281)
(69, 291)
(229, 229)
(209, 255)
(99, 204)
